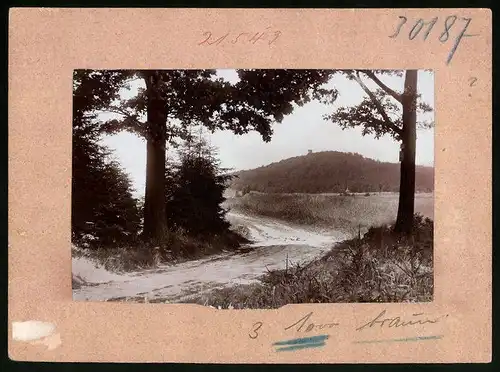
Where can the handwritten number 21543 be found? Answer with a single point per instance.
(444, 33)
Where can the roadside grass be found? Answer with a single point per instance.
(378, 267)
(175, 248)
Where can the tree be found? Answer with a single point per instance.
(386, 111)
(173, 100)
(102, 204)
(196, 191)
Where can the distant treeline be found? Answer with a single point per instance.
(329, 171)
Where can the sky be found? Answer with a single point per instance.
(299, 132)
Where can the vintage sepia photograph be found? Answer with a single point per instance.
(253, 188)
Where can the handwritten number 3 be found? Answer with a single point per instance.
(255, 328)
(404, 19)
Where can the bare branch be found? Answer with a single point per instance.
(397, 96)
(377, 103)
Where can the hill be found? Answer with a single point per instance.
(329, 172)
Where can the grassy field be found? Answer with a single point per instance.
(342, 212)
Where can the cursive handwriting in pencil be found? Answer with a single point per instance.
(305, 324)
(395, 322)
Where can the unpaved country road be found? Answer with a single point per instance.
(273, 242)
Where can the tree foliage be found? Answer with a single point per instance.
(103, 208)
(380, 111)
(195, 191)
(104, 213)
(199, 97)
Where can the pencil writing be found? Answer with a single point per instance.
(445, 31)
(268, 36)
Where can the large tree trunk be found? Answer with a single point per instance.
(404, 222)
(154, 201)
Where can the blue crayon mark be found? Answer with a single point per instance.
(305, 340)
(301, 343)
(301, 346)
(418, 338)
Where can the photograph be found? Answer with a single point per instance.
(252, 188)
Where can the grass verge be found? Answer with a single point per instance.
(379, 267)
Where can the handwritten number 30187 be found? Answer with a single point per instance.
(444, 34)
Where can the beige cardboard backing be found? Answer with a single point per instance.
(47, 44)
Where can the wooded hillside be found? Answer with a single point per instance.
(329, 171)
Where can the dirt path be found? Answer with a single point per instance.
(273, 242)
